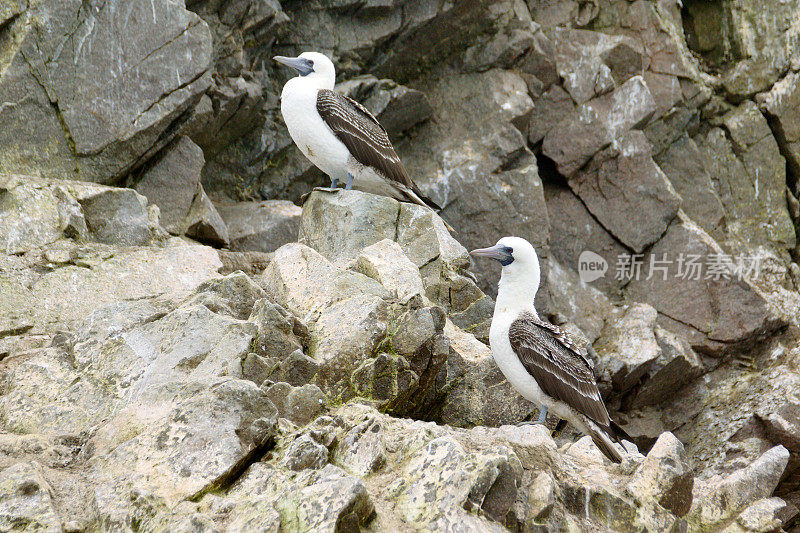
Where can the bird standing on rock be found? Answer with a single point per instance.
(539, 359)
(339, 135)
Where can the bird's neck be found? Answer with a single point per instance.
(307, 84)
(516, 291)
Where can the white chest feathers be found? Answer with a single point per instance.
(508, 361)
(309, 132)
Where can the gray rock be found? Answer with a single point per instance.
(384, 378)
(72, 220)
(749, 158)
(627, 192)
(250, 503)
(361, 451)
(537, 66)
(29, 217)
(726, 497)
(512, 35)
(448, 29)
(173, 272)
(386, 263)
(341, 350)
(416, 327)
(628, 347)
(599, 503)
(781, 104)
(720, 308)
(233, 295)
(232, 106)
(664, 476)
(298, 369)
(548, 110)
(684, 166)
(257, 368)
(251, 263)
(329, 499)
(80, 119)
(173, 182)
(368, 219)
(118, 216)
(763, 41)
(279, 333)
(304, 452)
(303, 281)
(762, 196)
(596, 123)
(676, 366)
(666, 90)
(761, 516)
(542, 498)
(592, 63)
(25, 499)
(782, 424)
(260, 226)
(208, 431)
(426, 241)
(204, 223)
(445, 472)
(580, 304)
(659, 30)
(575, 230)
(299, 404)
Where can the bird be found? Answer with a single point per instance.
(339, 136)
(539, 359)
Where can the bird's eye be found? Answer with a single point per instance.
(509, 249)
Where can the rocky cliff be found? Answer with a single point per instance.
(185, 345)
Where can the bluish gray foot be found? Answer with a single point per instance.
(542, 420)
(349, 184)
(334, 183)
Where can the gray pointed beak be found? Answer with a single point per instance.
(501, 253)
(493, 252)
(301, 65)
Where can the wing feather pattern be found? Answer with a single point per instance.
(558, 366)
(367, 141)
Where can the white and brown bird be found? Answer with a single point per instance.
(539, 359)
(339, 135)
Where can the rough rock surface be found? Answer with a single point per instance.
(329, 371)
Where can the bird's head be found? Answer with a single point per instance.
(313, 65)
(520, 266)
(509, 250)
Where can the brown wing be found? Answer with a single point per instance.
(366, 140)
(550, 356)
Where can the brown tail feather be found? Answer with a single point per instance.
(602, 437)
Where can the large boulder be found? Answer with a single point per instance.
(627, 192)
(597, 123)
(86, 111)
(360, 337)
(781, 104)
(260, 226)
(751, 171)
(700, 291)
(759, 40)
(343, 225)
